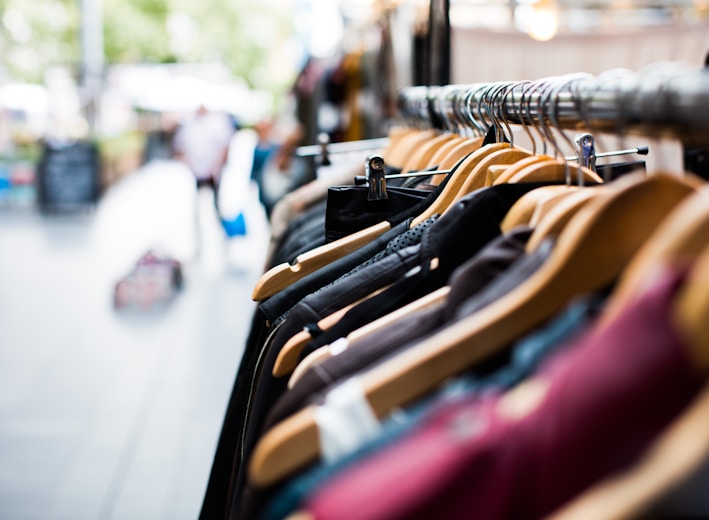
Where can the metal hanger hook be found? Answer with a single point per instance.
(523, 114)
(456, 102)
(539, 89)
(528, 92)
(563, 84)
(445, 105)
(491, 108)
(472, 105)
(484, 107)
(501, 107)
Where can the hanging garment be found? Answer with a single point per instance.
(524, 360)
(497, 458)
(492, 260)
(303, 231)
(291, 206)
(349, 210)
(455, 238)
(255, 363)
(267, 318)
(384, 268)
(490, 207)
(345, 211)
(517, 273)
(483, 205)
(581, 244)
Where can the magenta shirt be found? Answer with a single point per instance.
(606, 398)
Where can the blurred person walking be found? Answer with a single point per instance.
(202, 143)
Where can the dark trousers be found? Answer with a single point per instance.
(213, 184)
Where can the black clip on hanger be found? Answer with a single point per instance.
(376, 179)
(374, 173)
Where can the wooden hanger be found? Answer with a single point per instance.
(541, 200)
(559, 216)
(521, 212)
(284, 275)
(300, 515)
(434, 298)
(691, 311)
(444, 150)
(513, 169)
(454, 155)
(494, 171)
(398, 152)
(477, 177)
(450, 190)
(537, 172)
(288, 356)
(421, 156)
(553, 170)
(314, 358)
(678, 239)
(396, 134)
(589, 254)
(546, 205)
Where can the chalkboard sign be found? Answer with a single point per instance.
(68, 176)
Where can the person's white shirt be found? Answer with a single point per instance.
(203, 142)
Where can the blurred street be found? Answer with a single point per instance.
(106, 415)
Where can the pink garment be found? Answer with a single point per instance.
(608, 395)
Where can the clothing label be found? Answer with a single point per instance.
(345, 421)
(337, 347)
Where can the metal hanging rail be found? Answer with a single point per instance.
(667, 100)
(344, 147)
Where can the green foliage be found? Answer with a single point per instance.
(237, 33)
(134, 30)
(37, 34)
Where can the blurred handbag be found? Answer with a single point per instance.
(236, 226)
(151, 285)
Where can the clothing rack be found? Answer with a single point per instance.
(667, 100)
(312, 150)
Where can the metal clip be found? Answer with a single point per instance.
(374, 172)
(586, 151)
(640, 150)
(323, 142)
